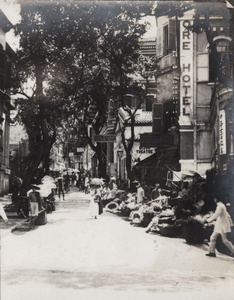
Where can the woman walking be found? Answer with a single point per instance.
(95, 207)
(222, 226)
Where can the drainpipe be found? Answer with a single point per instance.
(195, 37)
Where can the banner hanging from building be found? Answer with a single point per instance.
(222, 133)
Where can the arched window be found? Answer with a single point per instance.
(224, 56)
(207, 62)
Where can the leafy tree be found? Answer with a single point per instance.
(97, 67)
(44, 30)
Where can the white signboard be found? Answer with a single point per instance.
(222, 133)
(186, 67)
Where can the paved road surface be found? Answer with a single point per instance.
(76, 257)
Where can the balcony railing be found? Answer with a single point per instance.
(168, 61)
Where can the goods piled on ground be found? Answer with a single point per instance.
(175, 215)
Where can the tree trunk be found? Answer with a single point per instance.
(129, 166)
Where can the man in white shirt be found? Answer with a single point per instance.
(140, 194)
(223, 225)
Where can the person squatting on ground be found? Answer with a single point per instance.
(155, 192)
(223, 225)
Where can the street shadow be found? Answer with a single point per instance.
(158, 281)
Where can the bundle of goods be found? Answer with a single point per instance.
(167, 224)
(128, 205)
(112, 207)
(193, 230)
(148, 215)
(136, 213)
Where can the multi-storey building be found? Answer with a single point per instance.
(6, 54)
(188, 82)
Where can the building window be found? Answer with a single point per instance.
(207, 62)
(128, 100)
(166, 39)
(149, 102)
(203, 67)
(132, 101)
(165, 116)
(223, 58)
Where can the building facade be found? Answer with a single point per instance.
(6, 55)
(188, 77)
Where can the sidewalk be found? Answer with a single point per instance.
(15, 221)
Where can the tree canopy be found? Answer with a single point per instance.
(78, 55)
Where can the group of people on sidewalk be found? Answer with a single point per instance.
(98, 195)
(223, 221)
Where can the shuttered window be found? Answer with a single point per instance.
(159, 45)
(149, 102)
(171, 36)
(203, 67)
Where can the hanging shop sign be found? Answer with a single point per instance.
(186, 67)
(149, 140)
(222, 133)
(146, 151)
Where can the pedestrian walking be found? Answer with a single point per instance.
(222, 226)
(66, 182)
(60, 187)
(73, 179)
(3, 213)
(94, 203)
(86, 183)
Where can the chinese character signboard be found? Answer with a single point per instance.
(222, 133)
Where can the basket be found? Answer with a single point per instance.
(193, 233)
(173, 231)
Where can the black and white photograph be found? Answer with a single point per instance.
(116, 150)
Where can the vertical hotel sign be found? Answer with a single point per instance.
(186, 69)
(222, 133)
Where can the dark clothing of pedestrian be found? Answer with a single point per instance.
(60, 188)
(66, 182)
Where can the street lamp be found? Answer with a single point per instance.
(119, 154)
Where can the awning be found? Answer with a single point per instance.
(161, 160)
(148, 162)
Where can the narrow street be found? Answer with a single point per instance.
(76, 257)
